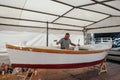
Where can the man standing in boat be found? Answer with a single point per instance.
(65, 42)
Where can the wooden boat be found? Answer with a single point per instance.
(54, 58)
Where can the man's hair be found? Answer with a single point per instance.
(67, 34)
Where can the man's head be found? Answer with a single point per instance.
(67, 35)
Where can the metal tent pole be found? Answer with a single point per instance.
(84, 33)
(47, 35)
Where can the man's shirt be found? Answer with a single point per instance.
(65, 43)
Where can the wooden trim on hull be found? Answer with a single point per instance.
(58, 66)
(57, 51)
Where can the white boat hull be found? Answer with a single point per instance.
(35, 58)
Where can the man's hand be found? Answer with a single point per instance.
(78, 44)
(57, 43)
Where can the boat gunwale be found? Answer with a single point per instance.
(57, 51)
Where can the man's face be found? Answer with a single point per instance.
(67, 36)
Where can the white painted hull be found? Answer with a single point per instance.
(24, 58)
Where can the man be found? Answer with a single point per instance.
(65, 42)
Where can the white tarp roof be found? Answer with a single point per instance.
(93, 15)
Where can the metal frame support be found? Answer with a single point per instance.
(84, 34)
(47, 32)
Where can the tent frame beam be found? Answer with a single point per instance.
(62, 15)
(95, 11)
(106, 5)
(13, 25)
(79, 7)
(98, 21)
(39, 21)
(104, 27)
(83, 6)
(44, 13)
(63, 3)
(93, 3)
(22, 19)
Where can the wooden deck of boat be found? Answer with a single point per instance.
(72, 74)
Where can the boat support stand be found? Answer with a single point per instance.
(102, 67)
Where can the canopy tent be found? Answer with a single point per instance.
(60, 16)
(92, 15)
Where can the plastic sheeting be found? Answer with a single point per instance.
(35, 38)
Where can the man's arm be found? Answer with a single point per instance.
(57, 42)
(73, 44)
